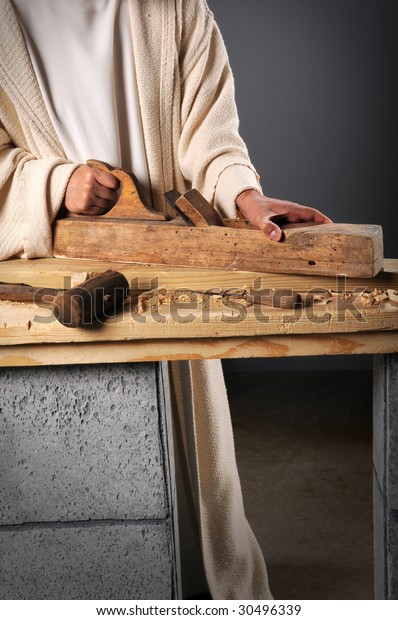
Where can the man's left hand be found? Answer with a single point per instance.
(262, 212)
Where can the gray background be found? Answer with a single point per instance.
(315, 95)
(314, 88)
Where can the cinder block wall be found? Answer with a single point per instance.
(86, 503)
(385, 478)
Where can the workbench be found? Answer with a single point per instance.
(87, 512)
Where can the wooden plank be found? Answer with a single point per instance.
(57, 272)
(207, 348)
(25, 323)
(327, 249)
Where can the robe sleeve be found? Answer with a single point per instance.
(212, 154)
(31, 193)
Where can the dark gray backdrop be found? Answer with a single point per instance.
(314, 87)
(315, 94)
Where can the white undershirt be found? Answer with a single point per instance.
(82, 54)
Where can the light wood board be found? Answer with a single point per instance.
(27, 323)
(57, 273)
(196, 349)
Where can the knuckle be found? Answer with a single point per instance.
(266, 226)
(90, 176)
(86, 200)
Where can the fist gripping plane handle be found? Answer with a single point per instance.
(130, 204)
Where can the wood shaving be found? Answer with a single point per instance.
(161, 296)
(321, 297)
(79, 277)
(219, 298)
(152, 299)
(373, 298)
(231, 296)
(184, 296)
(392, 296)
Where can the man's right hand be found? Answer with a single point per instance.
(91, 191)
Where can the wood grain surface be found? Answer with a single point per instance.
(57, 273)
(341, 317)
(203, 348)
(327, 249)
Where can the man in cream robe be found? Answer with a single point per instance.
(191, 139)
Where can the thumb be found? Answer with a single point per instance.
(272, 230)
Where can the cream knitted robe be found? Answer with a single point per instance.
(191, 138)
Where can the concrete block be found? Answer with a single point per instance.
(379, 537)
(379, 420)
(93, 562)
(386, 476)
(392, 556)
(80, 443)
(392, 430)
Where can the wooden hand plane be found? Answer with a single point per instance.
(197, 236)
